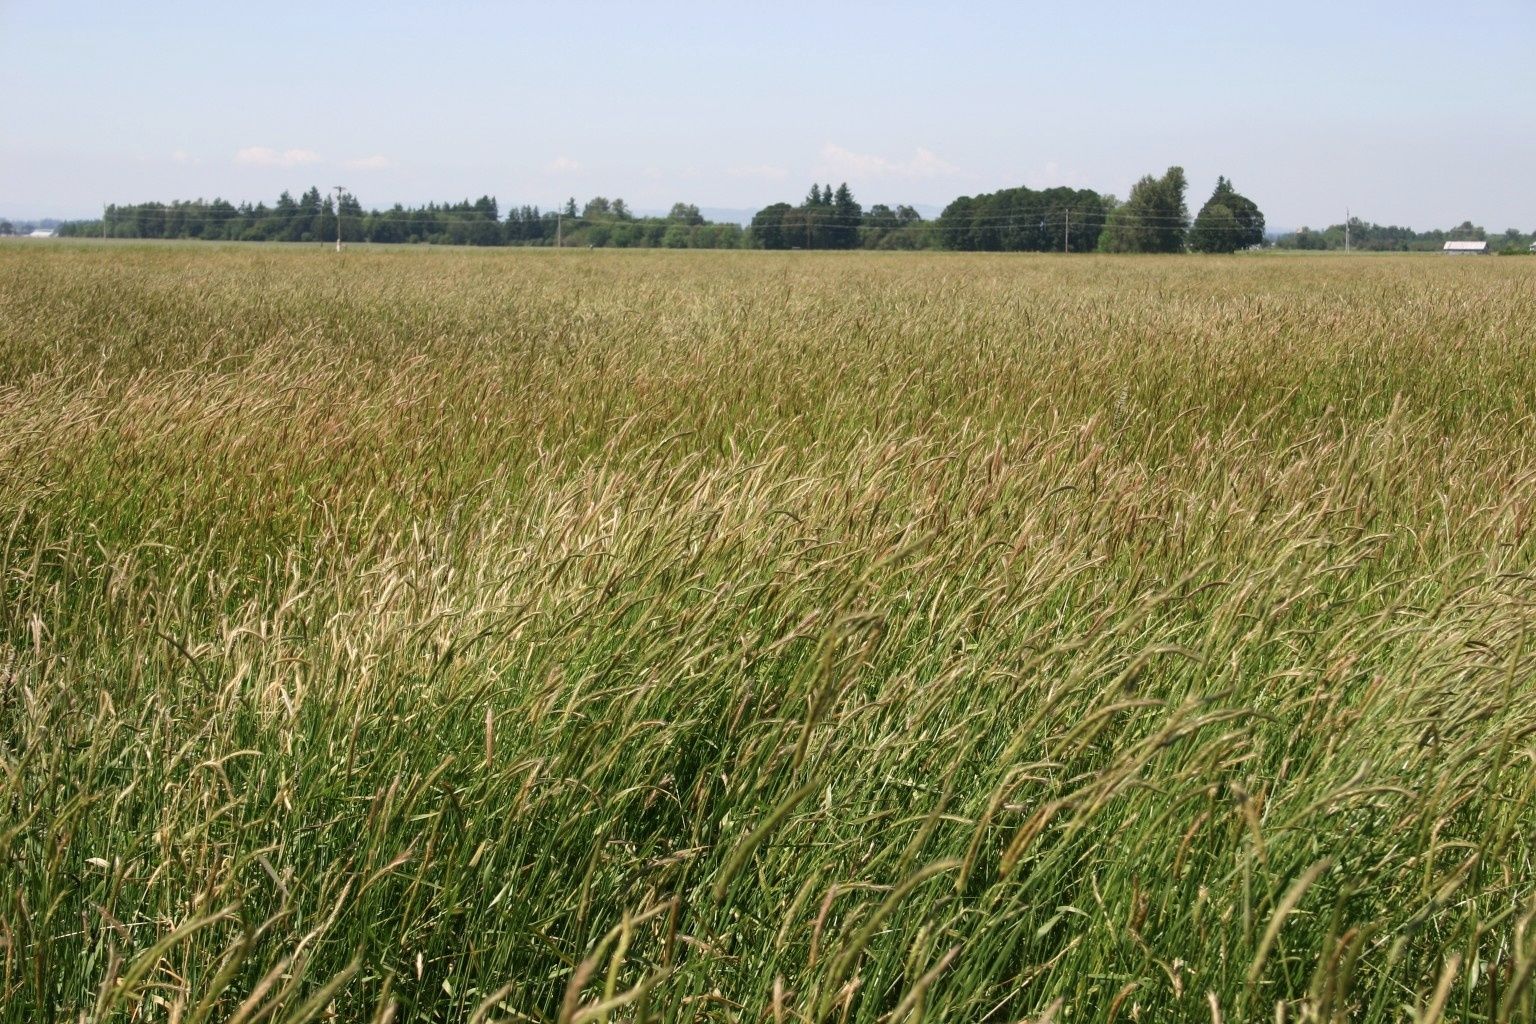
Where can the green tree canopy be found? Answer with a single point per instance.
(1227, 222)
(843, 231)
(314, 217)
(768, 228)
(1153, 219)
(1025, 220)
(828, 219)
(687, 213)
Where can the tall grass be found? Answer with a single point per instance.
(609, 637)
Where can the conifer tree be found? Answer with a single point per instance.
(1227, 222)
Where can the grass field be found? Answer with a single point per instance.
(588, 636)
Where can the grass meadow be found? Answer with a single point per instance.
(455, 635)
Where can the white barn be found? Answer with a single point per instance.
(1465, 248)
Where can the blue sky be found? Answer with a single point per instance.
(1408, 112)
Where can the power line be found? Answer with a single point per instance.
(992, 222)
(1053, 216)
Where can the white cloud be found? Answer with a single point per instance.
(562, 165)
(264, 156)
(371, 163)
(765, 171)
(840, 162)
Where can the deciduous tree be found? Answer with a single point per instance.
(1153, 219)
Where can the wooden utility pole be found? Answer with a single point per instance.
(339, 189)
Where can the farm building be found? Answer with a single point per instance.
(1465, 248)
(41, 233)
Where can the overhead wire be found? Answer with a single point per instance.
(991, 222)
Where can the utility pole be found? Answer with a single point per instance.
(339, 189)
(1346, 229)
(103, 222)
(560, 230)
(1066, 241)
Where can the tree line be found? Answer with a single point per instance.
(1153, 218)
(831, 218)
(313, 217)
(1010, 220)
(1370, 237)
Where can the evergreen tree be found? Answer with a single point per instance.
(1227, 222)
(352, 218)
(1216, 230)
(287, 215)
(843, 230)
(324, 229)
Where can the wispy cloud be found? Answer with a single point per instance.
(264, 156)
(371, 163)
(562, 165)
(924, 163)
(764, 171)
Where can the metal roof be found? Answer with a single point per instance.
(1465, 246)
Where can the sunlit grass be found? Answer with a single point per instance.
(580, 636)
